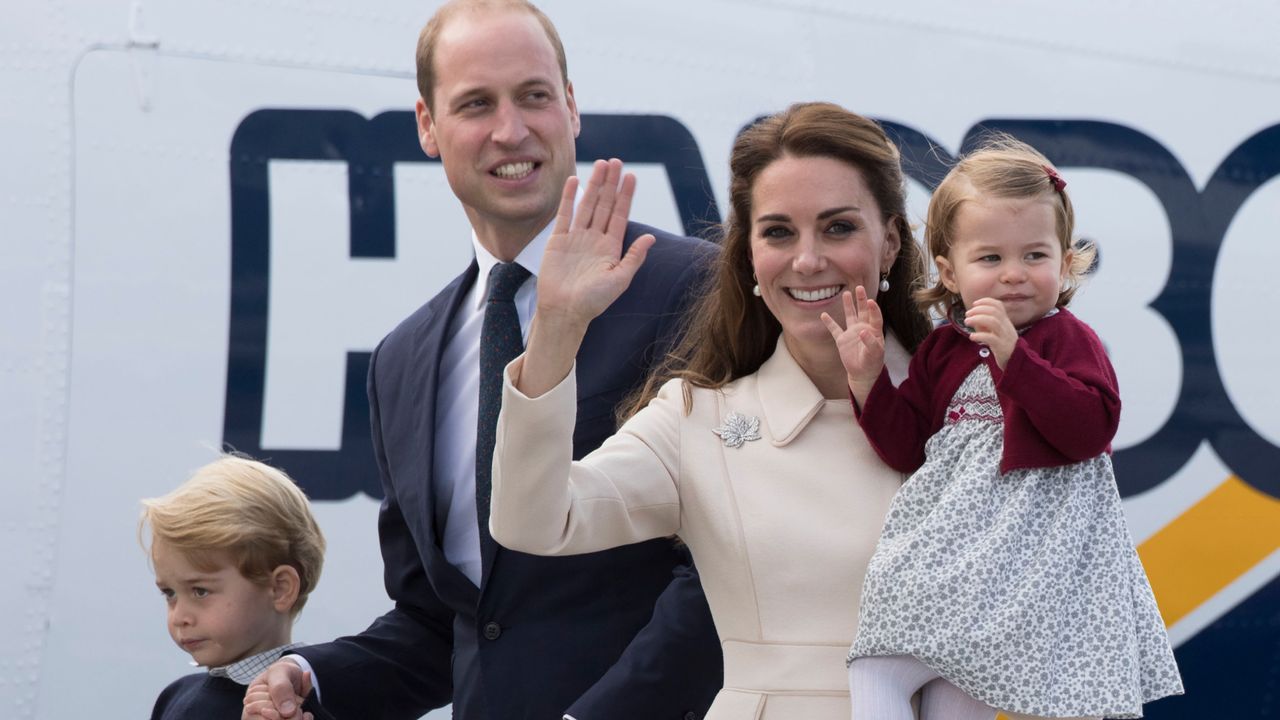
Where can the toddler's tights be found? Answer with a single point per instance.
(882, 686)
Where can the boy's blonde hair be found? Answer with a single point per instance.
(1007, 168)
(244, 509)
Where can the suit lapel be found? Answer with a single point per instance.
(429, 342)
(488, 556)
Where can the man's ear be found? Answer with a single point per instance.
(285, 584)
(947, 274)
(573, 108)
(426, 129)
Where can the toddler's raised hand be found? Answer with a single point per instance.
(992, 327)
(860, 341)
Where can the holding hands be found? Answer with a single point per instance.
(860, 341)
(583, 272)
(993, 328)
(277, 693)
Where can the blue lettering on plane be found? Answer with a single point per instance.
(370, 147)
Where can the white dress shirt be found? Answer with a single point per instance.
(453, 471)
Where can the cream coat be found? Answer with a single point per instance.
(781, 528)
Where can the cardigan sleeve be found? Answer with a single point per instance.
(624, 492)
(898, 421)
(1065, 384)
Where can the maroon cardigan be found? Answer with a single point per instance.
(1058, 393)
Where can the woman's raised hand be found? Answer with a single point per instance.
(860, 341)
(583, 270)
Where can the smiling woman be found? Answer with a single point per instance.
(732, 333)
(749, 451)
(818, 231)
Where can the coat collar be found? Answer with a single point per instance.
(790, 401)
(788, 398)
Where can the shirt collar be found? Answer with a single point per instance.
(244, 671)
(530, 258)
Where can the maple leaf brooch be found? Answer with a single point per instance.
(738, 429)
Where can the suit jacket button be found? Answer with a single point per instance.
(691, 715)
(492, 631)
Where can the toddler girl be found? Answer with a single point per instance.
(1005, 569)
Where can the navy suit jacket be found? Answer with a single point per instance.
(623, 634)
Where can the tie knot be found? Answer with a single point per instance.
(504, 280)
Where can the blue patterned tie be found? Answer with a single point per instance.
(500, 343)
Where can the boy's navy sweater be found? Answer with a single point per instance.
(202, 696)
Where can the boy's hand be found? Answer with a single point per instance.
(277, 693)
(992, 327)
(860, 341)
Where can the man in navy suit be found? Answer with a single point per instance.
(623, 634)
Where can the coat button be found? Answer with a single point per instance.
(691, 715)
(985, 352)
(492, 631)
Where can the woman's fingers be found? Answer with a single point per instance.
(634, 257)
(590, 195)
(603, 210)
(596, 207)
(564, 215)
(617, 221)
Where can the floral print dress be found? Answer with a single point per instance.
(1023, 589)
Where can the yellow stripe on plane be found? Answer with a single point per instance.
(1206, 548)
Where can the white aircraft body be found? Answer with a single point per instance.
(212, 211)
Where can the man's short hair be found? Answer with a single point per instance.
(431, 34)
(244, 511)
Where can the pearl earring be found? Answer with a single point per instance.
(884, 283)
(755, 289)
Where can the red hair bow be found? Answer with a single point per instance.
(1058, 183)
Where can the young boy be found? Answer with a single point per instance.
(236, 552)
